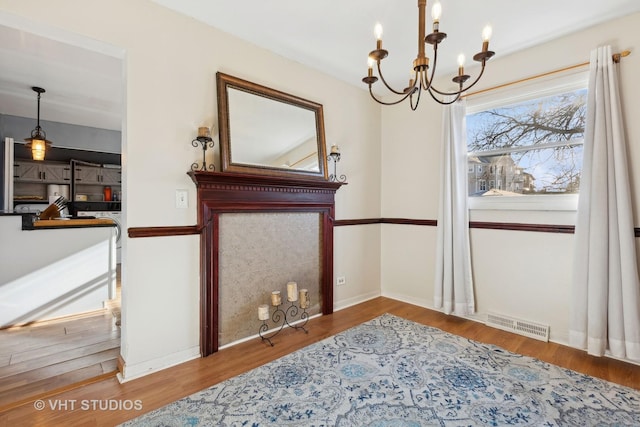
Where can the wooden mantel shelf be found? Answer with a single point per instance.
(220, 193)
(247, 182)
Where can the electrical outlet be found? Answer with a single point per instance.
(182, 199)
(341, 281)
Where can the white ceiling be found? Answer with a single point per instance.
(334, 36)
(83, 86)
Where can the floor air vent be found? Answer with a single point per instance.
(522, 327)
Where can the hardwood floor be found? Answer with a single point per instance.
(75, 407)
(49, 357)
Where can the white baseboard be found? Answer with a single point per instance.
(342, 304)
(420, 302)
(428, 303)
(131, 372)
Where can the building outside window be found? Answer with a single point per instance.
(528, 141)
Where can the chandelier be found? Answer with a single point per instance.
(421, 77)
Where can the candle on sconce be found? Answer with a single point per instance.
(263, 312)
(292, 291)
(304, 298)
(204, 132)
(275, 298)
(335, 149)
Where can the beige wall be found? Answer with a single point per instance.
(522, 274)
(170, 65)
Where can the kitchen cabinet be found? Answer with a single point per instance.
(97, 175)
(93, 183)
(111, 176)
(31, 179)
(42, 172)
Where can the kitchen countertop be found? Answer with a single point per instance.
(69, 223)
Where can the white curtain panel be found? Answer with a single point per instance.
(453, 289)
(605, 312)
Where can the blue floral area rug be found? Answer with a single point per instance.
(392, 372)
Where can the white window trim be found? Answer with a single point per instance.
(503, 97)
(539, 202)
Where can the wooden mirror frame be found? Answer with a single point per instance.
(224, 82)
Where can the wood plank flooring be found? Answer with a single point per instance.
(48, 357)
(161, 388)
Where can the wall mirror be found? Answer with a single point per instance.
(268, 132)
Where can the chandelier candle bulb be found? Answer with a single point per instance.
(263, 312)
(370, 66)
(377, 30)
(461, 64)
(436, 12)
(276, 300)
(486, 35)
(292, 291)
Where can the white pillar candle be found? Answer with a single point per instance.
(275, 298)
(263, 312)
(304, 298)
(292, 291)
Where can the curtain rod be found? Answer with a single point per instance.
(616, 58)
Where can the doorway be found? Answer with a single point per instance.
(85, 85)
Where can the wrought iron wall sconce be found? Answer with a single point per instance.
(203, 139)
(334, 156)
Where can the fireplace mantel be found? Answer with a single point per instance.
(220, 193)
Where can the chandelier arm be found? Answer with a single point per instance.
(388, 103)
(462, 89)
(386, 84)
(424, 80)
(429, 81)
(414, 107)
(441, 102)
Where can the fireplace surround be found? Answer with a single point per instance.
(223, 192)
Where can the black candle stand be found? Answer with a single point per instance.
(283, 317)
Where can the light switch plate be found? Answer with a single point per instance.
(182, 199)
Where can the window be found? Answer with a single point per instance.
(531, 139)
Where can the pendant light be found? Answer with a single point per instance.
(38, 142)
